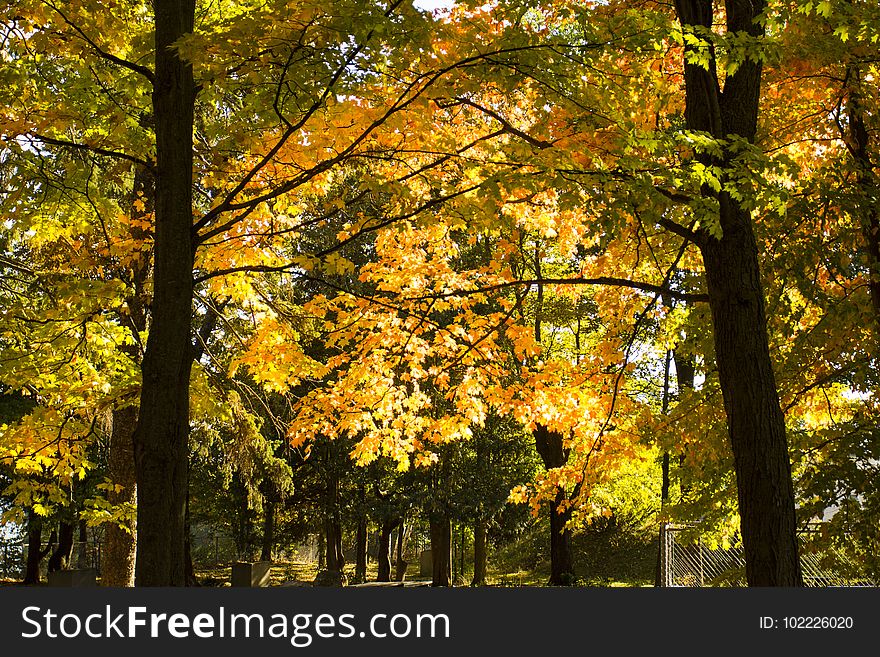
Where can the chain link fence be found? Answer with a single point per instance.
(688, 563)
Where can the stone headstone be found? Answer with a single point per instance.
(74, 578)
(426, 564)
(251, 574)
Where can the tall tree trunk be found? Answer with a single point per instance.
(117, 562)
(384, 560)
(160, 439)
(60, 559)
(664, 471)
(756, 425)
(552, 452)
(268, 529)
(480, 553)
(441, 549)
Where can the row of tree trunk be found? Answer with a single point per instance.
(736, 297)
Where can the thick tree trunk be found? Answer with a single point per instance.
(160, 439)
(480, 553)
(552, 452)
(755, 422)
(60, 559)
(441, 549)
(384, 560)
(117, 562)
(268, 530)
(756, 425)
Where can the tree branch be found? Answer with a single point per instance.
(119, 61)
(97, 150)
(611, 281)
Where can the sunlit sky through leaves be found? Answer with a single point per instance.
(431, 5)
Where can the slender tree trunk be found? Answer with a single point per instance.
(400, 564)
(664, 470)
(82, 547)
(360, 567)
(756, 425)
(160, 439)
(117, 563)
(360, 548)
(441, 549)
(268, 529)
(60, 559)
(191, 579)
(685, 375)
(480, 553)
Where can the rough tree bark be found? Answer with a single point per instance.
(756, 425)
(118, 559)
(160, 439)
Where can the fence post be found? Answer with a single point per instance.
(700, 548)
(664, 555)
